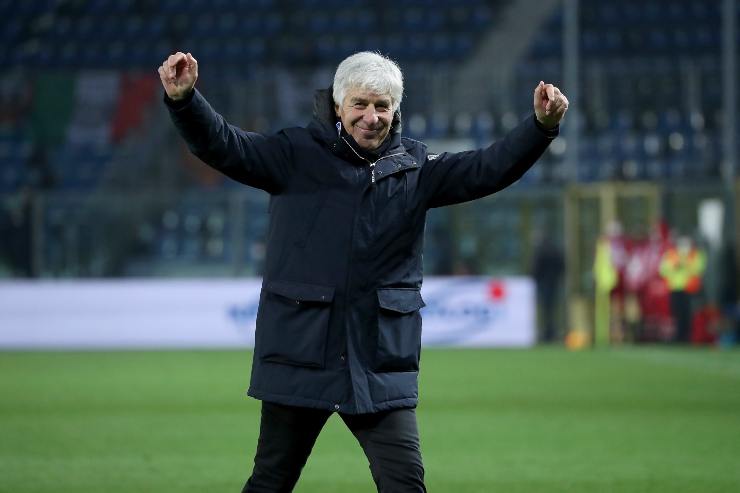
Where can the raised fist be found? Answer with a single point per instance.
(178, 74)
(550, 105)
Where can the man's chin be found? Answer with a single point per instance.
(368, 145)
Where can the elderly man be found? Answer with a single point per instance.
(338, 326)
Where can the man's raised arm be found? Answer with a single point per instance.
(451, 178)
(250, 158)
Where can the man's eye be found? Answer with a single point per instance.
(360, 106)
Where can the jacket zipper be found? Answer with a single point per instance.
(348, 278)
(371, 163)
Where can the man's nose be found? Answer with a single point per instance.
(370, 115)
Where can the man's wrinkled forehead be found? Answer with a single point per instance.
(362, 95)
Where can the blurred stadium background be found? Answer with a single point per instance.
(94, 183)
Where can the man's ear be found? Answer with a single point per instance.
(336, 109)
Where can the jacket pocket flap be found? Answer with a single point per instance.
(301, 292)
(400, 300)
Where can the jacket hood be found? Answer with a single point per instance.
(323, 127)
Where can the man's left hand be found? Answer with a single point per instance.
(549, 105)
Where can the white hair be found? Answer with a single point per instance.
(369, 71)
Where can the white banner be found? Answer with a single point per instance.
(478, 311)
(460, 311)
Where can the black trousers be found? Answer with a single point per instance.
(389, 439)
(681, 311)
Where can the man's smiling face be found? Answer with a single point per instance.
(366, 116)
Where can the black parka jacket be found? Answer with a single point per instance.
(338, 326)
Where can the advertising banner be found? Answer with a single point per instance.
(460, 311)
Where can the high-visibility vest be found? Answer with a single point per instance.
(683, 270)
(605, 274)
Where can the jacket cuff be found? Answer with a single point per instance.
(179, 104)
(550, 133)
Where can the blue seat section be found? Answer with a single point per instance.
(651, 95)
(16, 151)
(126, 34)
(203, 232)
(79, 167)
(650, 101)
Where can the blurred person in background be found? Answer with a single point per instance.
(338, 327)
(682, 267)
(610, 261)
(16, 227)
(651, 289)
(547, 270)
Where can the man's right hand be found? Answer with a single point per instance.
(178, 74)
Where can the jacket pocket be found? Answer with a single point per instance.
(399, 330)
(292, 323)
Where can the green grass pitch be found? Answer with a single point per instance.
(543, 420)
